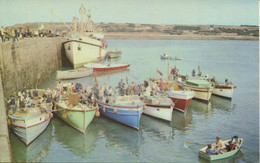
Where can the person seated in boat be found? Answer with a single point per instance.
(30, 102)
(49, 99)
(110, 91)
(12, 103)
(121, 83)
(96, 91)
(230, 146)
(235, 140)
(211, 151)
(161, 85)
(213, 80)
(128, 90)
(57, 97)
(147, 91)
(122, 90)
(35, 93)
(137, 90)
(164, 54)
(193, 72)
(22, 104)
(219, 142)
(132, 88)
(226, 81)
(59, 86)
(23, 90)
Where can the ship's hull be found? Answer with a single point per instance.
(83, 51)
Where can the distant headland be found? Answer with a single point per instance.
(157, 32)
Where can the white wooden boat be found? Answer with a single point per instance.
(202, 89)
(159, 107)
(29, 123)
(106, 67)
(114, 54)
(223, 90)
(73, 74)
(223, 152)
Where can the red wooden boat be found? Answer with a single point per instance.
(106, 67)
(181, 99)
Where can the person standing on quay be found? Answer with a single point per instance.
(2, 32)
(16, 35)
(13, 35)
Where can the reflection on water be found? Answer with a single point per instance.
(201, 107)
(157, 129)
(36, 151)
(180, 120)
(120, 136)
(222, 104)
(80, 144)
(215, 104)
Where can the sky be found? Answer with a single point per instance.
(186, 12)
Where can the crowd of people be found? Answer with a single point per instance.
(29, 98)
(106, 93)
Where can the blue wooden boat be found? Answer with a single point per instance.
(223, 152)
(126, 110)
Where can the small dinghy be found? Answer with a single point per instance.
(73, 74)
(114, 54)
(106, 67)
(224, 153)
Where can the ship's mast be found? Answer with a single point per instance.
(88, 19)
(82, 13)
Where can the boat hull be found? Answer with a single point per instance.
(79, 120)
(158, 111)
(223, 92)
(28, 130)
(201, 94)
(73, 74)
(181, 99)
(129, 116)
(113, 55)
(84, 51)
(100, 67)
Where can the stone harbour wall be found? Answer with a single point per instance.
(24, 61)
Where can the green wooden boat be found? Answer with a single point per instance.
(223, 152)
(79, 116)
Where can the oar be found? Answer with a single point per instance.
(188, 142)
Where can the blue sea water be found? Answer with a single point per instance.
(157, 140)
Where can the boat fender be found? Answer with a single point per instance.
(97, 113)
(145, 107)
(65, 115)
(47, 117)
(104, 109)
(8, 121)
(115, 111)
(51, 115)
